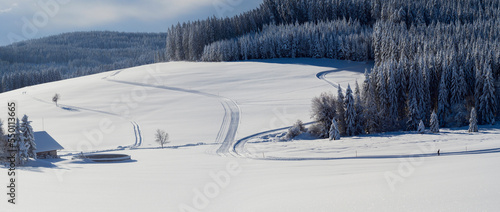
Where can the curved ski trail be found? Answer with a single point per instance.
(137, 133)
(137, 130)
(230, 123)
(239, 147)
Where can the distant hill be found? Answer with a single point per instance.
(75, 54)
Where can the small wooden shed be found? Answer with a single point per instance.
(46, 146)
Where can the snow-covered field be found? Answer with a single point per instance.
(207, 108)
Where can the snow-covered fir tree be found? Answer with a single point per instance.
(473, 121)
(22, 147)
(414, 112)
(443, 101)
(421, 127)
(365, 87)
(425, 94)
(421, 93)
(392, 94)
(371, 114)
(434, 123)
(383, 99)
(402, 91)
(350, 113)
(341, 111)
(28, 136)
(334, 131)
(487, 101)
(358, 104)
(457, 100)
(478, 91)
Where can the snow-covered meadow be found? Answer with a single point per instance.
(204, 106)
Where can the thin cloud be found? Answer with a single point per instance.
(115, 15)
(91, 12)
(14, 5)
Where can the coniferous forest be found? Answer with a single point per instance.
(75, 54)
(431, 56)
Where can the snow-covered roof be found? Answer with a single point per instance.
(44, 142)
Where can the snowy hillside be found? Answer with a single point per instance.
(189, 100)
(235, 110)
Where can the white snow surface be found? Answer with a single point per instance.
(207, 108)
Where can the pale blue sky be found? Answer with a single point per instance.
(28, 19)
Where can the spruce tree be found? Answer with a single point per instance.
(473, 121)
(412, 123)
(443, 101)
(359, 111)
(341, 110)
(365, 87)
(434, 122)
(425, 93)
(334, 131)
(28, 136)
(350, 113)
(478, 89)
(21, 146)
(421, 127)
(392, 92)
(457, 99)
(487, 101)
(402, 91)
(382, 100)
(421, 94)
(414, 114)
(371, 115)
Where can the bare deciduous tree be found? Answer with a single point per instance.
(162, 137)
(56, 98)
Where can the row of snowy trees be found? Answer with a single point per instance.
(429, 11)
(441, 56)
(23, 147)
(76, 54)
(342, 39)
(357, 113)
(187, 41)
(447, 68)
(15, 80)
(403, 100)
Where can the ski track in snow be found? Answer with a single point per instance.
(322, 76)
(234, 121)
(230, 123)
(239, 146)
(137, 133)
(137, 130)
